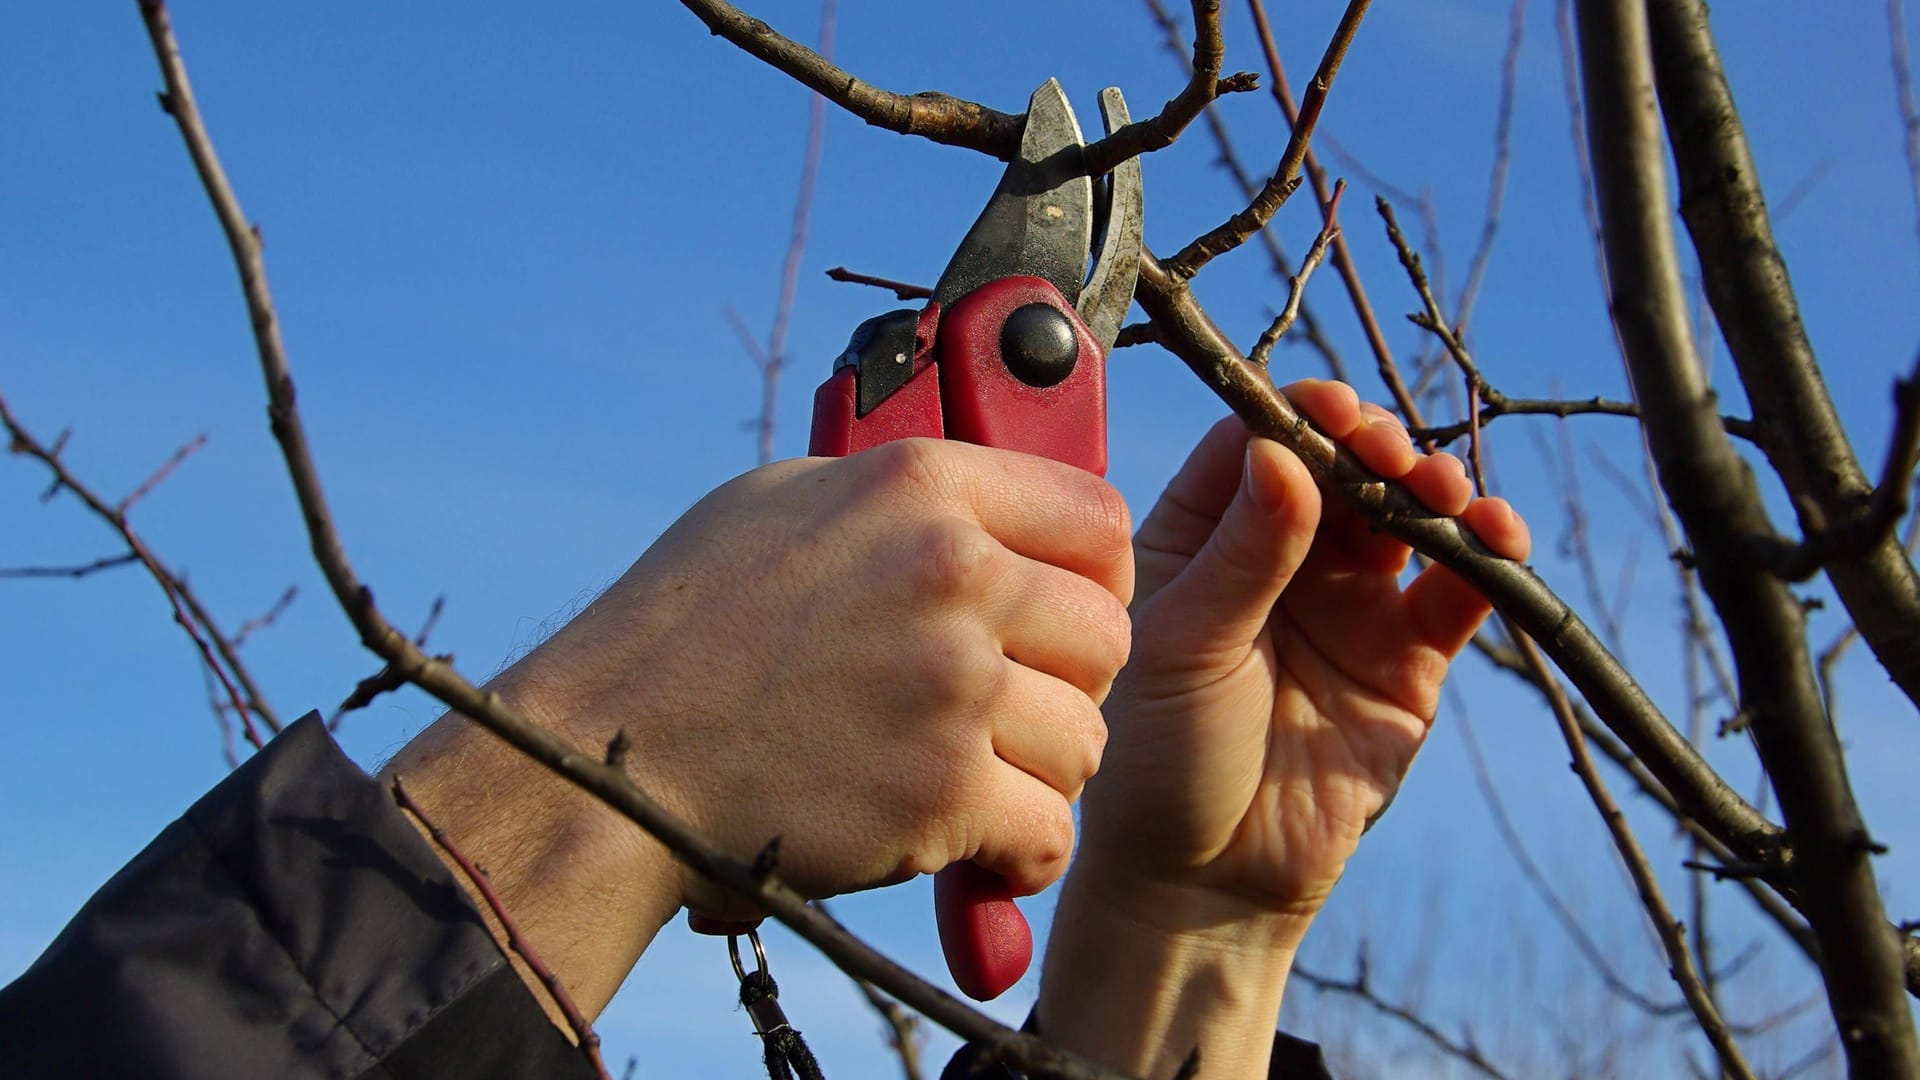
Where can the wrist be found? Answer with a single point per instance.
(1136, 975)
(1179, 909)
(588, 888)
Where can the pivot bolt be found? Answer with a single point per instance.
(1039, 345)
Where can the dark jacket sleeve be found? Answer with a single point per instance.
(291, 924)
(1292, 1059)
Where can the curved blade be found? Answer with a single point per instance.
(1109, 292)
(1039, 221)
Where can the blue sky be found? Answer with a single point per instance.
(503, 243)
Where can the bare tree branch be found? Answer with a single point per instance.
(216, 651)
(1502, 157)
(1237, 229)
(106, 563)
(1360, 987)
(1315, 334)
(1297, 291)
(1503, 405)
(1203, 85)
(935, 116)
(1725, 212)
(1903, 97)
(1716, 499)
(1342, 257)
(901, 290)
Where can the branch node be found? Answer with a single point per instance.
(767, 860)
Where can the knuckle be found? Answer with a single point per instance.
(1114, 629)
(1052, 844)
(915, 468)
(957, 671)
(953, 558)
(1109, 523)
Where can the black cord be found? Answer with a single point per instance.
(787, 1054)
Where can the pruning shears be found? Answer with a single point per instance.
(1010, 352)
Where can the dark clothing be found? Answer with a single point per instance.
(292, 923)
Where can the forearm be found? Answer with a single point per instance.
(1136, 981)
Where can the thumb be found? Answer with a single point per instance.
(1218, 604)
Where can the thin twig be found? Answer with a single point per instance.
(1593, 406)
(1297, 290)
(1830, 656)
(1342, 256)
(1359, 987)
(1903, 97)
(389, 678)
(265, 618)
(1577, 540)
(160, 474)
(1502, 157)
(94, 567)
(1315, 334)
(901, 290)
(1885, 506)
(1286, 177)
(774, 359)
(1204, 84)
(1672, 934)
(214, 649)
(1570, 922)
(583, 1033)
(754, 350)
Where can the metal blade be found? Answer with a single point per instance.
(1039, 221)
(1109, 292)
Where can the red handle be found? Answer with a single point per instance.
(961, 388)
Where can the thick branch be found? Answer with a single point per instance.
(1747, 283)
(1714, 494)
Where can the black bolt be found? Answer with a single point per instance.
(1038, 345)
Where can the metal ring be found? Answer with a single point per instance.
(759, 954)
